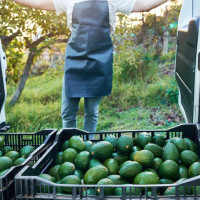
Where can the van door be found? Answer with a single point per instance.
(3, 91)
(187, 71)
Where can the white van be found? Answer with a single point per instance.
(187, 71)
(3, 92)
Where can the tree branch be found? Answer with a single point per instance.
(6, 40)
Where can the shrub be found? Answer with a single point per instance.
(133, 64)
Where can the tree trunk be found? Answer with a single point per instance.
(166, 34)
(23, 79)
(165, 43)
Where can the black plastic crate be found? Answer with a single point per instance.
(40, 140)
(29, 186)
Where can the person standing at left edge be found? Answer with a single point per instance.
(89, 53)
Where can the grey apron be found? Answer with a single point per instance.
(89, 54)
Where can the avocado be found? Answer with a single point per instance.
(180, 144)
(182, 190)
(131, 156)
(143, 139)
(130, 170)
(188, 157)
(5, 163)
(54, 172)
(58, 159)
(155, 149)
(125, 163)
(107, 190)
(66, 169)
(151, 170)
(58, 188)
(89, 192)
(113, 140)
(82, 160)
(159, 140)
(119, 157)
(1, 142)
(77, 143)
(183, 172)
(117, 180)
(156, 163)
(45, 189)
(3, 172)
(72, 180)
(145, 158)
(129, 191)
(125, 144)
(65, 145)
(94, 163)
(95, 174)
(195, 190)
(6, 149)
(88, 145)
(101, 150)
(26, 151)
(192, 145)
(136, 148)
(69, 155)
(112, 166)
(170, 153)
(165, 181)
(48, 177)
(13, 155)
(79, 173)
(146, 178)
(194, 169)
(169, 170)
(19, 161)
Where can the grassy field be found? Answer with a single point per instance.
(137, 105)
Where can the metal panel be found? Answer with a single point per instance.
(186, 65)
(187, 60)
(3, 92)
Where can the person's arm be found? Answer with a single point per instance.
(147, 5)
(37, 4)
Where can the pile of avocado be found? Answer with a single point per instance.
(141, 160)
(10, 158)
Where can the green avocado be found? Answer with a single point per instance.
(130, 170)
(72, 180)
(77, 143)
(145, 158)
(107, 190)
(143, 139)
(82, 160)
(112, 166)
(102, 150)
(169, 170)
(112, 139)
(26, 151)
(170, 153)
(125, 144)
(95, 174)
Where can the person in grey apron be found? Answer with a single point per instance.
(88, 64)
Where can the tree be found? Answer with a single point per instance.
(18, 25)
